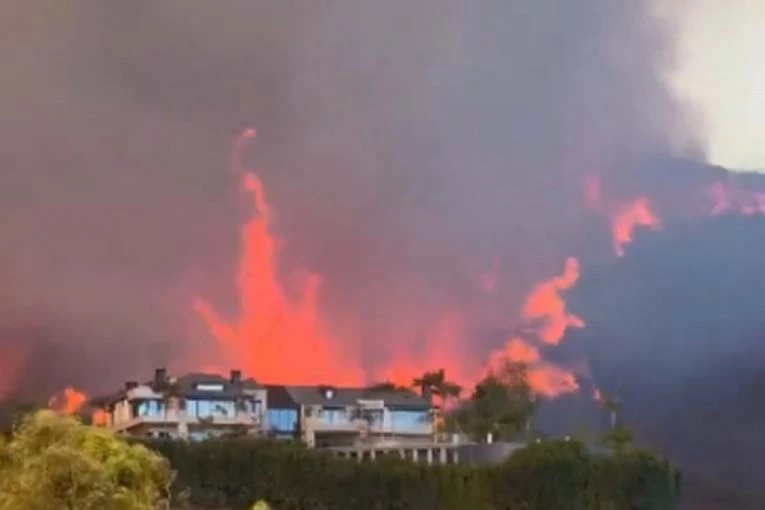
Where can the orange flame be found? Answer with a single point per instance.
(99, 418)
(544, 304)
(545, 378)
(68, 403)
(625, 217)
(725, 198)
(636, 213)
(274, 338)
(443, 349)
(545, 309)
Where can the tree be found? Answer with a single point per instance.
(436, 383)
(618, 437)
(501, 404)
(612, 405)
(386, 386)
(53, 461)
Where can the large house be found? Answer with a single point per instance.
(194, 406)
(330, 416)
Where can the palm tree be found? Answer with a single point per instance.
(435, 383)
(428, 382)
(448, 390)
(612, 405)
(534, 403)
(386, 386)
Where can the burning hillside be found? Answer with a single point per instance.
(282, 336)
(437, 185)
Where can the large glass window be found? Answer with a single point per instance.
(374, 417)
(282, 420)
(209, 387)
(334, 416)
(147, 408)
(210, 408)
(409, 420)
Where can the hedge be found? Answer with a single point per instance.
(552, 475)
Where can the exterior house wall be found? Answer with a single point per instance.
(206, 411)
(328, 426)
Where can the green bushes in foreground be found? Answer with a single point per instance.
(551, 475)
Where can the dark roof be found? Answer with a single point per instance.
(277, 397)
(188, 388)
(342, 397)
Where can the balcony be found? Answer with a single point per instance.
(323, 423)
(172, 418)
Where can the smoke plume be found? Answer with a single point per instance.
(421, 172)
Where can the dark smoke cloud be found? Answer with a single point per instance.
(403, 144)
(676, 330)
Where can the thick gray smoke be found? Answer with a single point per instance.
(403, 144)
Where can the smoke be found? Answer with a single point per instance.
(424, 170)
(405, 147)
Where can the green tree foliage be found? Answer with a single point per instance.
(618, 437)
(435, 383)
(386, 386)
(501, 404)
(54, 462)
(550, 475)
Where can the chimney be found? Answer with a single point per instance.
(236, 376)
(129, 385)
(160, 376)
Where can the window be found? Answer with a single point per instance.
(210, 408)
(409, 420)
(150, 408)
(334, 416)
(373, 416)
(282, 420)
(209, 387)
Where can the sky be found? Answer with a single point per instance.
(721, 47)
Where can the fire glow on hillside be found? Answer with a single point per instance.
(280, 333)
(279, 339)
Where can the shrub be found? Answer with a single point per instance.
(551, 475)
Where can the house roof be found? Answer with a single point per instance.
(188, 387)
(290, 396)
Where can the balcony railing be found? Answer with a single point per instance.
(318, 424)
(174, 417)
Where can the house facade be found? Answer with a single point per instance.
(326, 416)
(194, 406)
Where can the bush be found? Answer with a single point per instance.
(53, 462)
(552, 475)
